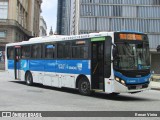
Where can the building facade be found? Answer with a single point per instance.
(113, 15)
(42, 27)
(63, 16)
(19, 21)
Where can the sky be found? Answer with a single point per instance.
(49, 13)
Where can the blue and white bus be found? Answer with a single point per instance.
(108, 62)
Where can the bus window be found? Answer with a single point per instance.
(63, 50)
(60, 47)
(75, 52)
(10, 53)
(80, 52)
(25, 52)
(50, 51)
(36, 51)
(67, 50)
(83, 52)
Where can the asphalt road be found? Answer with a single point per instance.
(16, 96)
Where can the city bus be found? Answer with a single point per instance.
(106, 62)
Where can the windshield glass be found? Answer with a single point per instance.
(132, 56)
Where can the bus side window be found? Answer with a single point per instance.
(75, 52)
(10, 53)
(25, 52)
(37, 51)
(80, 52)
(84, 52)
(50, 51)
(67, 50)
(60, 50)
(63, 50)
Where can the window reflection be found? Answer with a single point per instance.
(132, 56)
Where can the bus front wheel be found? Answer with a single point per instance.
(84, 86)
(29, 79)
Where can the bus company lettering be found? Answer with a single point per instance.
(72, 68)
(61, 66)
(66, 66)
(79, 66)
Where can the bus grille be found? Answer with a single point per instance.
(135, 87)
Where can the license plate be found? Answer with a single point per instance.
(139, 87)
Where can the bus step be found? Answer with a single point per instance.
(98, 90)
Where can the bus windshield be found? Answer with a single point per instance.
(132, 56)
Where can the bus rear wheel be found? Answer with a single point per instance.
(84, 86)
(29, 79)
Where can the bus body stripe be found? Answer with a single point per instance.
(130, 80)
(59, 66)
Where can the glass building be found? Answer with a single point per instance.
(86, 16)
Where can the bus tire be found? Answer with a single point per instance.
(29, 79)
(84, 86)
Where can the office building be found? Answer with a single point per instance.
(42, 27)
(19, 21)
(87, 16)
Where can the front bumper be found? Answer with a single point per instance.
(119, 88)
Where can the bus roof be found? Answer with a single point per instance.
(55, 38)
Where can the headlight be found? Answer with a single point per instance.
(117, 79)
(123, 82)
(120, 81)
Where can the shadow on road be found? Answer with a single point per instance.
(94, 95)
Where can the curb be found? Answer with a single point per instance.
(155, 89)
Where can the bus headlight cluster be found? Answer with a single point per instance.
(117, 79)
(120, 81)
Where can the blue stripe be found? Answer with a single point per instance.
(10, 64)
(59, 66)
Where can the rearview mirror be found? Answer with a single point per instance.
(114, 52)
(107, 57)
(158, 48)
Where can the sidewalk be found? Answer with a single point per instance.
(155, 85)
(155, 82)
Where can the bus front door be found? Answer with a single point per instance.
(98, 65)
(17, 62)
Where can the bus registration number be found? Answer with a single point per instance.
(139, 87)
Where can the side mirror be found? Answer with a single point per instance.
(114, 52)
(107, 57)
(158, 48)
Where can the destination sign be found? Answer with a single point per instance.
(125, 36)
